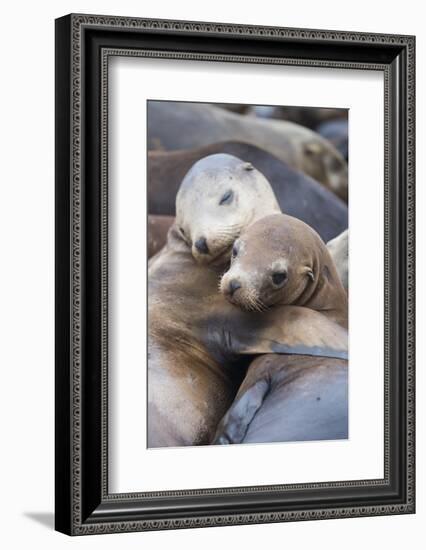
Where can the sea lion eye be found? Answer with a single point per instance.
(234, 251)
(182, 231)
(279, 277)
(227, 197)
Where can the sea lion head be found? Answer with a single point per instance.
(324, 163)
(280, 260)
(218, 198)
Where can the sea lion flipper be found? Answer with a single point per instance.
(290, 330)
(234, 425)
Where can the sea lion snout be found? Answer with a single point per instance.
(279, 278)
(201, 245)
(240, 291)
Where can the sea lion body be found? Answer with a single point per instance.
(188, 389)
(180, 125)
(289, 398)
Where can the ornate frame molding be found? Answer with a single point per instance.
(72, 46)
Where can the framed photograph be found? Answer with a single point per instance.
(234, 274)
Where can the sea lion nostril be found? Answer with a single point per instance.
(201, 245)
(279, 277)
(233, 286)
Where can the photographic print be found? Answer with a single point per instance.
(247, 273)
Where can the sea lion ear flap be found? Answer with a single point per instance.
(308, 271)
(248, 166)
(312, 148)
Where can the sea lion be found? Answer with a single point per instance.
(339, 251)
(288, 398)
(297, 194)
(196, 339)
(336, 131)
(280, 260)
(180, 125)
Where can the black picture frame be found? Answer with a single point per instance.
(83, 504)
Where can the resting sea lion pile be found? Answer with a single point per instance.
(247, 305)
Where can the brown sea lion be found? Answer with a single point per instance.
(180, 125)
(196, 339)
(297, 194)
(280, 260)
(310, 117)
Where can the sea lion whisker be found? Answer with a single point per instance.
(253, 301)
(249, 305)
(255, 307)
(260, 306)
